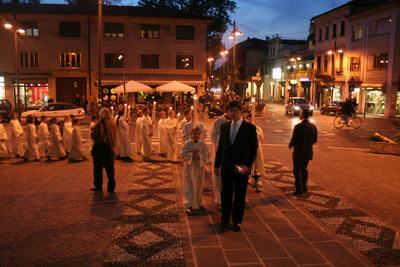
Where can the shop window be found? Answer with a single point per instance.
(327, 32)
(28, 60)
(375, 101)
(383, 26)
(150, 61)
(114, 30)
(184, 62)
(185, 32)
(354, 64)
(334, 30)
(70, 60)
(397, 104)
(2, 88)
(357, 33)
(114, 61)
(342, 28)
(320, 35)
(70, 29)
(381, 61)
(150, 31)
(31, 28)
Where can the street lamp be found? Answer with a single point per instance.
(210, 61)
(333, 53)
(233, 36)
(16, 31)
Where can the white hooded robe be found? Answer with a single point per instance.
(171, 126)
(76, 152)
(162, 133)
(43, 133)
(67, 135)
(124, 142)
(147, 130)
(56, 149)
(138, 135)
(16, 137)
(32, 151)
(3, 139)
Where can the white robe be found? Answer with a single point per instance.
(215, 135)
(147, 130)
(3, 139)
(56, 150)
(124, 142)
(138, 135)
(91, 128)
(193, 172)
(16, 137)
(162, 133)
(67, 135)
(258, 165)
(32, 151)
(187, 130)
(76, 151)
(171, 126)
(43, 133)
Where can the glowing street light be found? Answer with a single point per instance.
(8, 26)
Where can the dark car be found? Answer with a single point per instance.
(331, 108)
(295, 105)
(6, 109)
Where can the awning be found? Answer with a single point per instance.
(151, 79)
(372, 85)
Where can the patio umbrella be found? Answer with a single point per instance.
(132, 87)
(176, 87)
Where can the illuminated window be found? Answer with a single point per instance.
(70, 60)
(114, 61)
(381, 61)
(357, 33)
(31, 28)
(114, 30)
(150, 31)
(184, 62)
(354, 64)
(2, 88)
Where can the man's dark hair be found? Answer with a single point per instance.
(234, 104)
(305, 113)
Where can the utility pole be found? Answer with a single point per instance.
(99, 44)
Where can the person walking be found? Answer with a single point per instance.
(162, 133)
(43, 133)
(76, 152)
(171, 128)
(124, 140)
(104, 136)
(67, 133)
(138, 132)
(31, 151)
(56, 149)
(16, 136)
(3, 139)
(147, 134)
(304, 136)
(235, 156)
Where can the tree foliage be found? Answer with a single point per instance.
(93, 2)
(218, 10)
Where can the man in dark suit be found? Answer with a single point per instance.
(236, 152)
(304, 136)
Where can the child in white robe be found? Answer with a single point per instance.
(43, 134)
(171, 126)
(16, 136)
(258, 169)
(31, 151)
(162, 133)
(3, 140)
(56, 149)
(138, 132)
(124, 150)
(76, 152)
(195, 156)
(147, 134)
(67, 133)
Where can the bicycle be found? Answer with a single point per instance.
(342, 120)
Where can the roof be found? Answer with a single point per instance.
(294, 42)
(108, 10)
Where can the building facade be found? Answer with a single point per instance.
(357, 55)
(58, 52)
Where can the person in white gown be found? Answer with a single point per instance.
(147, 134)
(215, 134)
(3, 140)
(124, 150)
(31, 151)
(188, 126)
(43, 134)
(56, 149)
(67, 133)
(95, 119)
(162, 133)
(171, 132)
(195, 157)
(16, 136)
(138, 132)
(76, 152)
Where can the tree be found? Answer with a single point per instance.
(92, 2)
(218, 10)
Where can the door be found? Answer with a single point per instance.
(68, 88)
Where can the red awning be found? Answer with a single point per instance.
(151, 79)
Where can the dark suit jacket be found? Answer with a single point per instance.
(243, 151)
(304, 136)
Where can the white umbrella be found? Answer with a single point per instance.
(175, 87)
(132, 87)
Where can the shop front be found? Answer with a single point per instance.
(32, 95)
(374, 101)
(330, 94)
(398, 104)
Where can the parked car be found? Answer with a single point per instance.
(5, 109)
(295, 105)
(331, 108)
(58, 110)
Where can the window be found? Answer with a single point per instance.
(327, 33)
(383, 26)
(354, 64)
(150, 31)
(381, 61)
(341, 58)
(185, 32)
(319, 61)
(70, 60)
(325, 63)
(28, 60)
(320, 35)
(31, 28)
(342, 28)
(2, 88)
(272, 51)
(114, 30)
(150, 61)
(334, 30)
(357, 33)
(184, 62)
(114, 61)
(70, 29)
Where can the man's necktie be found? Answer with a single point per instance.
(233, 132)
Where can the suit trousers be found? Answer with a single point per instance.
(300, 173)
(233, 196)
(103, 158)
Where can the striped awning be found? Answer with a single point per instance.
(151, 79)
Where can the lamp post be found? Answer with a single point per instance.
(223, 55)
(99, 45)
(16, 31)
(333, 53)
(233, 36)
(210, 61)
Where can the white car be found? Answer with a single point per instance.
(57, 110)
